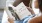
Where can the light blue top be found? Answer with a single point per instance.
(25, 19)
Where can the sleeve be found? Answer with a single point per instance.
(25, 20)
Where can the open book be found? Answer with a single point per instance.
(22, 11)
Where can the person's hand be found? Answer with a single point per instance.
(31, 10)
(10, 20)
(36, 20)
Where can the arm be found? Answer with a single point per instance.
(36, 20)
(17, 2)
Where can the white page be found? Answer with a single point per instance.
(22, 11)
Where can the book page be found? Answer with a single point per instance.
(22, 11)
